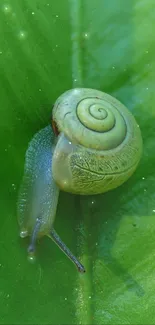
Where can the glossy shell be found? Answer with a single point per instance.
(100, 143)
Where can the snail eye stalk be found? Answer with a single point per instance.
(55, 237)
(31, 248)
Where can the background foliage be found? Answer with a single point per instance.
(47, 47)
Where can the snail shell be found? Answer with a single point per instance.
(100, 143)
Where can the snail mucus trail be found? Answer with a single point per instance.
(98, 148)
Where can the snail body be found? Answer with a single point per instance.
(98, 148)
(39, 193)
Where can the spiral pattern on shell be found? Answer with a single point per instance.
(92, 118)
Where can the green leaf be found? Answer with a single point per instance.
(47, 47)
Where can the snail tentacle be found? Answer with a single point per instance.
(34, 236)
(55, 237)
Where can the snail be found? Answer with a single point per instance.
(95, 148)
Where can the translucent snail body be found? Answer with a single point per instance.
(98, 148)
